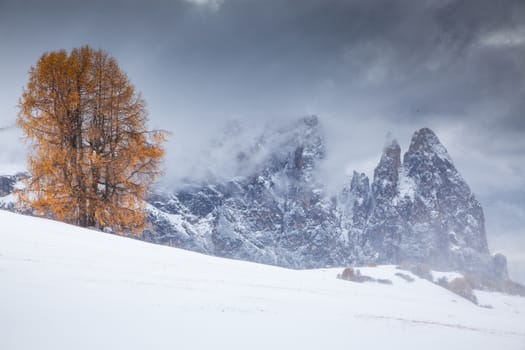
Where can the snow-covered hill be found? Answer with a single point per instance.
(63, 287)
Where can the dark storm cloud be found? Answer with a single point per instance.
(412, 62)
(413, 59)
(397, 63)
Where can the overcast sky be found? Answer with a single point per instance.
(365, 68)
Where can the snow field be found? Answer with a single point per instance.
(64, 287)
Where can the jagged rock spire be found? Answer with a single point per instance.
(386, 174)
(453, 213)
(425, 141)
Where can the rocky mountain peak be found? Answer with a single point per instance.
(386, 173)
(425, 143)
(356, 195)
(389, 162)
(428, 165)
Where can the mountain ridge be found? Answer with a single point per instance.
(415, 208)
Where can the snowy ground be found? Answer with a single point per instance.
(62, 287)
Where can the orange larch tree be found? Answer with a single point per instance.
(91, 160)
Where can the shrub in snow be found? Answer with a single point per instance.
(443, 282)
(383, 281)
(495, 284)
(462, 287)
(349, 274)
(418, 269)
(405, 276)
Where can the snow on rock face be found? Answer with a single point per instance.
(355, 204)
(445, 203)
(426, 142)
(8, 184)
(424, 211)
(406, 186)
(385, 226)
(419, 209)
(277, 215)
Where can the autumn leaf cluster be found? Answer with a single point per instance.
(91, 160)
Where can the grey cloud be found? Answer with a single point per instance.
(411, 63)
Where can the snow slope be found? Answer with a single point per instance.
(63, 287)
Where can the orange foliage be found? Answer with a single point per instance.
(92, 159)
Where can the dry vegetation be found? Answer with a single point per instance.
(349, 274)
(418, 269)
(462, 287)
